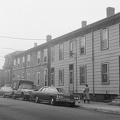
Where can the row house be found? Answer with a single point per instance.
(32, 65)
(89, 55)
(8, 67)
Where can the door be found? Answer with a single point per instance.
(71, 78)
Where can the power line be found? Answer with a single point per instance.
(10, 49)
(20, 38)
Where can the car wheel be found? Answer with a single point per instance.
(72, 104)
(52, 101)
(3, 95)
(14, 97)
(23, 96)
(37, 99)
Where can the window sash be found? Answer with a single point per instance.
(71, 48)
(46, 77)
(82, 45)
(61, 51)
(45, 56)
(83, 74)
(38, 57)
(38, 78)
(61, 77)
(104, 39)
(104, 73)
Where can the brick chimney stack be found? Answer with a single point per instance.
(35, 44)
(110, 11)
(83, 23)
(48, 38)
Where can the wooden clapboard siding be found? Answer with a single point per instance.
(110, 56)
(86, 60)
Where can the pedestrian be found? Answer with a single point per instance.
(86, 94)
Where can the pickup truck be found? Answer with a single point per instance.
(22, 89)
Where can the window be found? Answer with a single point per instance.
(28, 60)
(104, 73)
(61, 77)
(38, 78)
(104, 39)
(52, 76)
(38, 57)
(28, 76)
(71, 48)
(46, 76)
(18, 63)
(61, 51)
(52, 53)
(45, 56)
(82, 45)
(18, 77)
(14, 64)
(23, 62)
(23, 75)
(71, 75)
(83, 75)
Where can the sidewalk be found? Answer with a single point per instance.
(99, 106)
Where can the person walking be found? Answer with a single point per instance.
(86, 96)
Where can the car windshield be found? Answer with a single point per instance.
(27, 86)
(61, 90)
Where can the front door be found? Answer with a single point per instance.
(71, 78)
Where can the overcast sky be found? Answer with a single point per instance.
(34, 19)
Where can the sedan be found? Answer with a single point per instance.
(6, 90)
(53, 95)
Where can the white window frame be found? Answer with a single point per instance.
(104, 39)
(61, 77)
(71, 48)
(83, 74)
(46, 77)
(14, 64)
(23, 61)
(105, 73)
(38, 57)
(28, 60)
(45, 56)
(61, 51)
(38, 78)
(18, 63)
(28, 76)
(82, 45)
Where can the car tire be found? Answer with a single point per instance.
(37, 99)
(23, 96)
(72, 104)
(14, 97)
(52, 101)
(3, 95)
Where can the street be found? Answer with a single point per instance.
(26, 110)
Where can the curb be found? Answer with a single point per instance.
(101, 110)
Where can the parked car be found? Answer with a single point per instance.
(53, 95)
(22, 89)
(6, 90)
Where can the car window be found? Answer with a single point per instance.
(27, 86)
(61, 90)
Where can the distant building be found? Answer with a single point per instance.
(2, 79)
(8, 67)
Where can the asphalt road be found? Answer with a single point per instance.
(22, 110)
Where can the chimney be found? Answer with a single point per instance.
(35, 44)
(110, 11)
(48, 38)
(83, 23)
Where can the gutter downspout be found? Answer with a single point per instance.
(93, 60)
